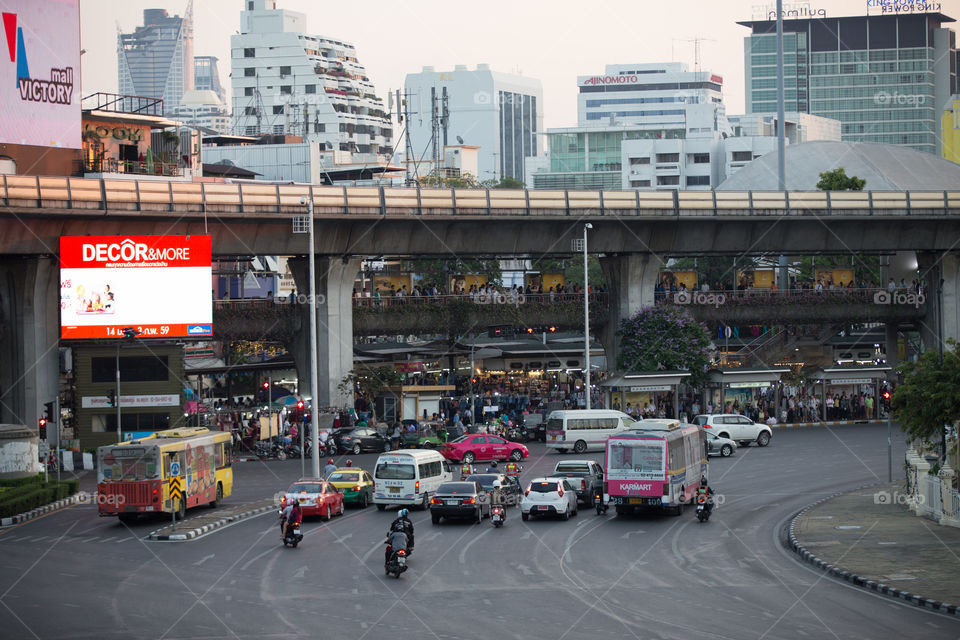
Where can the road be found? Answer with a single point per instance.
(73, 575)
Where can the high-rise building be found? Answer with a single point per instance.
(286, 81)
(202, 109)
(206, 76)
(156, 60)
(886, 78)
(501, 113)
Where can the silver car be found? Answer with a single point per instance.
(717, 446)
(549, 496)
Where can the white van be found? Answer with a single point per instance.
(583, 429)
(409, 477)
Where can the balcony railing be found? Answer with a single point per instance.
(117, 103)
(115, 165)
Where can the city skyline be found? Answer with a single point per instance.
(532, 42)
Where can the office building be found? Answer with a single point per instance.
(206, 77)
(202, 109)
(286, 81)
(501, 113)
(658, 103)
(886, 77)
(156, 60)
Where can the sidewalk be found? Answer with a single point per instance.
(830, 423)
(880, 545)
(200, 520)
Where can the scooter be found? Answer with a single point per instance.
(397, 563)
(293, 537)
(497, 516)
(599, 504)
(703, 509)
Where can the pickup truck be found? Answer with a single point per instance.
(586, 476)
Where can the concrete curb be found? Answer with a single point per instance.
(833, 423)
(39, 511)
(190, 534)
(857, 580)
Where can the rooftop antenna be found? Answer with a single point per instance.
(696, 49)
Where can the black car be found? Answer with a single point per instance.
(362, 439)
(509, 486)
(459, 500)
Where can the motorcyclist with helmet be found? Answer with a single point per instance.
(403, 523)
(396, 541)
(291, 516)
(705, 491)
(493, 468)
(330, 468)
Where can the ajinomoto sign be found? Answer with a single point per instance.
(158, 285)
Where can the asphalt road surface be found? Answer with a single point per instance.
(74, 575)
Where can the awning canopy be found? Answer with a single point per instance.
(747, 377)
(868, 374)
(640, 380)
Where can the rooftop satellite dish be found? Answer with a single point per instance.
(459, 140)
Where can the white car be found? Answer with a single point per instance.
(549, 496)
(736, 427)
(717, 446)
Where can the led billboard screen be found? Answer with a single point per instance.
(159, 285)
(40, 73)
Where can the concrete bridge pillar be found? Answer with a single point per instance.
(29, 338)
(334, 309)
(941, 274)
(631, 280)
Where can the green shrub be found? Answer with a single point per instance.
(35, 495)
(20, 482)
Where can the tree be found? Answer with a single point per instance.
(370, 381)
(713, 269)
(837, 180)
(573, 274)
(664, 337)
(929, 397)
(506, 182)
(439, 271)
(463, 181)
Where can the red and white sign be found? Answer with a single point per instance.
(159, 285)
(624, 79)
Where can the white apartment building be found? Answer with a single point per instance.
(286, 81)
(202, 109)
(500, 113)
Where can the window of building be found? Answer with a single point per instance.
(278, 129)
(644, 160)
(666, 181)
(310, 88)
(284, 71)
(248, 91)
(277, 109)
(742, 156)
(701, 158)
(639, 183)
(249, 72)
(146, 368)
(286, 89)
(131, 422)
(250, 53)
(698, 181)
(668, 157)
(319, 127)
(249, 111)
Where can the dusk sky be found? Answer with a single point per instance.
(552, 41)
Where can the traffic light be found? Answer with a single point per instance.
(42, 424)
(49, 409)
(530, 330)
(112, 398)
(886, 395)
(299, 405)
(130, 332)
(266, 385)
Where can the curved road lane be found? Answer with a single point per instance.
(73, 575)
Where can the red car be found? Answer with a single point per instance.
(483, 447)
(316, 497)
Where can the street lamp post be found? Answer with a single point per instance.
(128, 332)
(314, 388)
(586, 317)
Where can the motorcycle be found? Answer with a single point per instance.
(599, 504)
(293, 537)
(703, 509)
(397, 563)
(497, 516)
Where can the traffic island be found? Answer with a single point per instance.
(871, 539)
(203, 523)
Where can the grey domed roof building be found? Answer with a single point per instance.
(885, 168)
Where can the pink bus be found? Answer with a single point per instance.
(656, 465)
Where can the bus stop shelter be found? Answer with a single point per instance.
(856, 376)
(726, 379)
(619, 389)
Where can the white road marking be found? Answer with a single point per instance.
(203, 559)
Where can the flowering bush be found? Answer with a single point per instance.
(664, 337)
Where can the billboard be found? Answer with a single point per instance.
(40, 73)
(159, 285)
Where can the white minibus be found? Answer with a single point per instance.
(582, 429)
(409, 477)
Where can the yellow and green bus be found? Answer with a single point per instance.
(143, 475)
